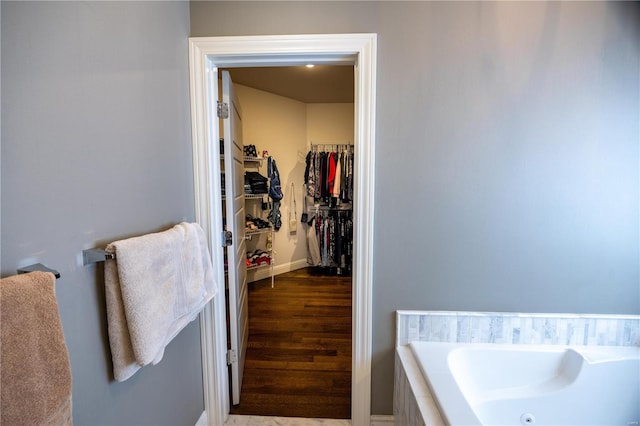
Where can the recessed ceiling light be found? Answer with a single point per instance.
(309, 65)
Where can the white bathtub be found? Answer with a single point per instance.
(492, 384)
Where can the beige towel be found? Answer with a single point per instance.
(35, 377)
(157, 284)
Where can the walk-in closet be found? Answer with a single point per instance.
(299, 249)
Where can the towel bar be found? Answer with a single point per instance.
(38, 267)
(90, 256)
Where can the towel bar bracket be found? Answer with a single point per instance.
(90, 256)
(38, 267)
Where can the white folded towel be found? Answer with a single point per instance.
(157, 284)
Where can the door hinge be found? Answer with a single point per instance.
(223, 110)
(231, 357)
(227, 238)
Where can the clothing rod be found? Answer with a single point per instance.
(331, 143)
(38, 267)
(90, 256)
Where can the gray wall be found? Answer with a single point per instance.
(96, 147)
(507, 174)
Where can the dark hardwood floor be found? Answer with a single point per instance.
(299, 353)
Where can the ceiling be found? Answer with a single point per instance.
(320, 84)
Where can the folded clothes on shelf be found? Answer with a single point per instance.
(255, 183)
(258, 258)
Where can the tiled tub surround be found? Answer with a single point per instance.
(517, 328)
(413, 403)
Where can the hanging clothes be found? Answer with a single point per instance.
(329, 175)
(335, 193)
(313, 246)
(275, 192)
(330, 240)
(310, 176)
(274, 216)
(328, 179)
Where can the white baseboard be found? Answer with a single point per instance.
(260, 274)
(380, 420)
(202, 420)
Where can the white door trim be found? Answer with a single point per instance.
(207, 53)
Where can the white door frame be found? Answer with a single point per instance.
(208, 53)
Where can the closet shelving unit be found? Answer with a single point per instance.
(256, 162)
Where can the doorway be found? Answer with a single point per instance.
(296, 359)
(206, 55)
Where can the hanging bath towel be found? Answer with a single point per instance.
(157, 284)
(35, 374)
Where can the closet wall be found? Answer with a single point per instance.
(284, 127)
(330, 123)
